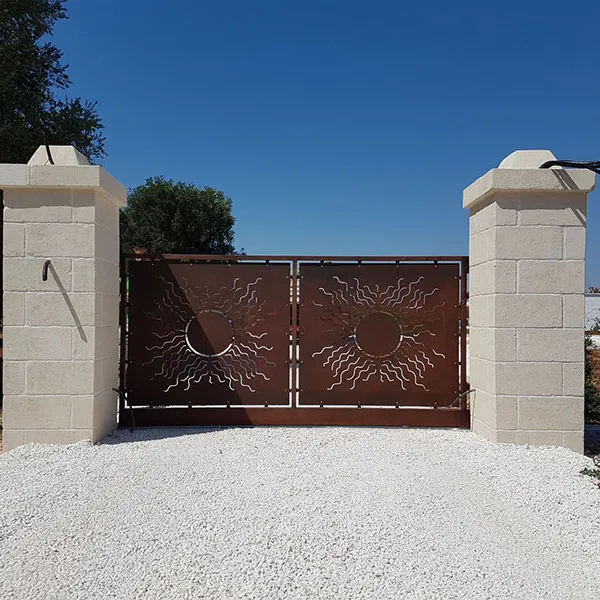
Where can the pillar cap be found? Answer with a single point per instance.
(520, 172)
(71, 169)
(61, 155)
(527, 159)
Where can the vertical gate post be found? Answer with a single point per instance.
(526, 303)
(60, 317)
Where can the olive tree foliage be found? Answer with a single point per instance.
(32, 77)
(164, 217)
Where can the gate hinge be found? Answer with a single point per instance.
(123, 396)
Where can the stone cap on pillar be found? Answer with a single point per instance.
(71, 169)
(520, 172)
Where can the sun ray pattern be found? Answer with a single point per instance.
(177, 358)
(386, 334)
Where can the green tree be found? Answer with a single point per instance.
(591, 393)
(163, 217)
(31, 74)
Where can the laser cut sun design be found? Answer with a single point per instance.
(210, 336)
(385, 334)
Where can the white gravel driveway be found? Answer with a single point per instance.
(297, 513)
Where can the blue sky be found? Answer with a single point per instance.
(339, 127)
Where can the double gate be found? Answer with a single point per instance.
(234, 340)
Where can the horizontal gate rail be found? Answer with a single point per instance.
(383, 417)
(289, 258)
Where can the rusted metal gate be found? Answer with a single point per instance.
(220, 340)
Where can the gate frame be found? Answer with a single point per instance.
(293, 415)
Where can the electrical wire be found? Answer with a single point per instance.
(573, 164)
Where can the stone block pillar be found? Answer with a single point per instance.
(526, 304)
(60, 335)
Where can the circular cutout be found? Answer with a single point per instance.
(209, 334)
(378, 334)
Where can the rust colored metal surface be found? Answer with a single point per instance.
(464, 297)
(207, 334)
(279, 340)
(226, 258)
(385, 417)
(123, 279)
(379, 334)
(294, 335)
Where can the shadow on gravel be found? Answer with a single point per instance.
(125, 436)
(142, 434)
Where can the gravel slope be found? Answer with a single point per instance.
(297, 513)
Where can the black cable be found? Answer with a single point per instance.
(50, 159)
(573, 164)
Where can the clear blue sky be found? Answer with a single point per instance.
(339, 127)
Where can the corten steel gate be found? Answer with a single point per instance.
(222, 340)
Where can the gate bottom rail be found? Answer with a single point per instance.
(391, 417)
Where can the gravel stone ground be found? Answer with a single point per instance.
(340, 513)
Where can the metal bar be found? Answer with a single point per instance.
(390, 417)
(287, 258)
(123, 331)
(45, 266)
(294, 332)
(464, 296)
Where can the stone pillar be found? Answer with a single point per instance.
(60, 335)
(526, 303)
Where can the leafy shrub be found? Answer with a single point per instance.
(592, 393)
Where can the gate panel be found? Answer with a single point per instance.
(207, 334)
(379, 334)
(239, 340)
